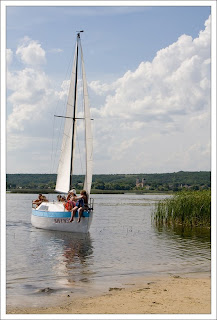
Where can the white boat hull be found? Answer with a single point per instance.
(52, 216)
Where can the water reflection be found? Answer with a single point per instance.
(189, 245)
(69, 255)
(199, 234)
(76, 247)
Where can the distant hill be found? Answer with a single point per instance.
(147, 182)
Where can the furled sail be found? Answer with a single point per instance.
(65, 162)
(88, 132)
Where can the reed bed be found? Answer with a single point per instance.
(187, 208)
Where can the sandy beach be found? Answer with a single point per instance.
(164, 295)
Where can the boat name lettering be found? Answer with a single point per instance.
(61, 220)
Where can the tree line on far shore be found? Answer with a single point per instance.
(162, 182)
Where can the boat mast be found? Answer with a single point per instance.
(74, 109)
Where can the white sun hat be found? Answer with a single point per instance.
(73, 191)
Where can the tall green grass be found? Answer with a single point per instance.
(187, 208)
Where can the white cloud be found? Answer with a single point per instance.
(31, 52)
(102, 88)
(153, 119)
(169, 96)
(176, 81)
(56, 50)
(9, 56)
(30, 91)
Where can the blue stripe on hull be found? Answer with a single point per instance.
(57, 214)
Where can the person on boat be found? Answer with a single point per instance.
(44, 199)
(71, 193)
(81, 204)
(69, 203)
(61, 198)
(84, 206)
(40, 199)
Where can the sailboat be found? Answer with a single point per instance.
(53, 215)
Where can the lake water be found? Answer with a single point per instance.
(123, 244)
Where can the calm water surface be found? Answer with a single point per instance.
(122, 244)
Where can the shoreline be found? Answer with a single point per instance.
(134, 191)
(174, 294)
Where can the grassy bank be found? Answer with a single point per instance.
(188, 208)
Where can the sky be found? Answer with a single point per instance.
(149, 79)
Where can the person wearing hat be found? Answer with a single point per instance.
(71, 193)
